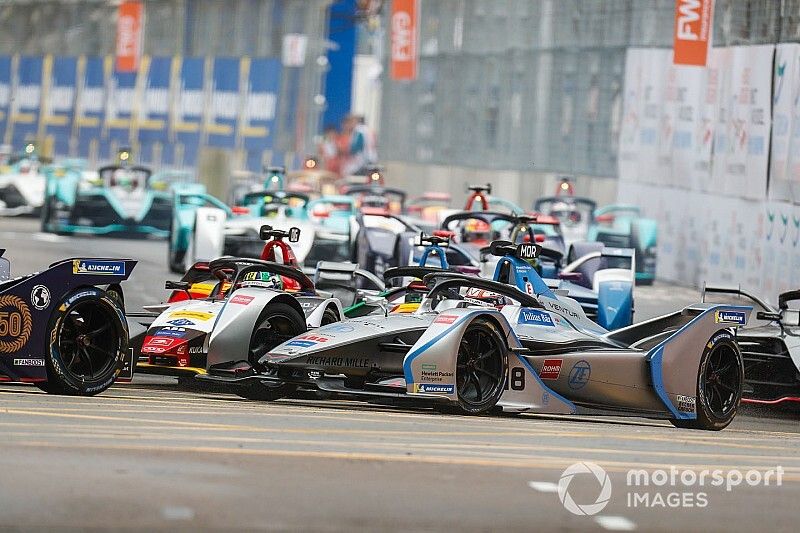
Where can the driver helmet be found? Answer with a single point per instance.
(476, 230)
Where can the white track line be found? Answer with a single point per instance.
(615, 523)
(543, 486)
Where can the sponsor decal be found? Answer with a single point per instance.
(28, 362)
(338, 328)
(171, 331)
(686, 403)
(579, 375)
(194, 315)
(431, 373)
(551, 369)
(40, 297)
(558, 308)
(15, 323)
(445, 319)
(343, 362)
(197, 349)
(693, 29)
(405, 308)
(242, 299)
(534, 317)
(315, 338)
(159, 344)
(730, 317)
(181, 322)
(97, 267)
(435, 388)
(301, 344)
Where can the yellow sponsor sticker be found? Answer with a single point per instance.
(193, 315)
(406, 308)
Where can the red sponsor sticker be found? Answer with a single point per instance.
(159, 344)
(241, 299)
(315, 338)
(551, 369)
(445, 319)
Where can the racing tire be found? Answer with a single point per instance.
(481, 367)
(720, 383)
(88, 337)
(278, 322)
(329, 317)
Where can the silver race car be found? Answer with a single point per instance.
(478, 345)
(251, 305)
(770, 348)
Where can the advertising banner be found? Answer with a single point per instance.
(694, 22)
(121, 103)
(26, 99)
(5, 92)
(632, 110)
(58, 104)
(90, 101)
(188, 107)
(403, 39)
(129, 36)
(153, 113)
(260, 103)
(223, 111)
(783, 184)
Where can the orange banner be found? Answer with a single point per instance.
(129, 36)
(694, 20)
(403, 32)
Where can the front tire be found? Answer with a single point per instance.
(88, 337)
(481, 367)
(720, 383)
(278, 323)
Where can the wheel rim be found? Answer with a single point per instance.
(87, 340)
(479, 367)
(722, 381)
(274, 330)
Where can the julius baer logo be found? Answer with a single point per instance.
(98, 267)
(669, 487)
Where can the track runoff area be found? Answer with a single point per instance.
(153, 454)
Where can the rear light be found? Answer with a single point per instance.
(320, 214)
(239, 210)
(445, 234)
(605, 219)
(540, 237)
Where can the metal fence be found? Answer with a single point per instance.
(537, 85)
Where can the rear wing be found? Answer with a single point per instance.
(736, 290)
(344, 274)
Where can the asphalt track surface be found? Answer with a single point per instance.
(153, 455)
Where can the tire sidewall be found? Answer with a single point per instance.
(59, 378)
(489, 403)
(705, 417)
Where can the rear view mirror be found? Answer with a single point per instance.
(575, 277)
(176, 285)
(790, 317)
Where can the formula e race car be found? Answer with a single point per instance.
(770, 348)
(243, 303)
(476, 345)
(64, 329)
(122, 199)
(617, 226)
(22, 183)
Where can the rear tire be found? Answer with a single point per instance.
(88, 337)
(279, 322)
(481, 367)
(720, 383)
